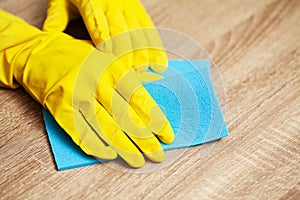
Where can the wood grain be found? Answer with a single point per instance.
(256, 47)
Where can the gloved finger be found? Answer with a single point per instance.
(119, 33)
(151, 113)
(93, 15)
(151, 49)
(158, 58)
(81, 133)
(110, 132)
(59, 13)
(157, 54)
(145, 106)
(138, 40)
(130, 122)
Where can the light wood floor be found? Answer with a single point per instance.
(256, 47)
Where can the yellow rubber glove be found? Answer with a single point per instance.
(107, 18)
(97, 99)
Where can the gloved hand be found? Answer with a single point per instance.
(94, 96)
(107, 18)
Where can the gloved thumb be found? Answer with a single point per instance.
(59, 13)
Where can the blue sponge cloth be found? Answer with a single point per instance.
(187, 97)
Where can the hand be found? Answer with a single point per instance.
(94, 96)
(105, 19)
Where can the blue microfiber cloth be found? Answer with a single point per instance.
(187, 97)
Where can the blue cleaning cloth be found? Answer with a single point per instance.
(187, 97)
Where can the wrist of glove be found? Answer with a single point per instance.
(95, 97)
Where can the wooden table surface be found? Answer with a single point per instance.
(256, 48)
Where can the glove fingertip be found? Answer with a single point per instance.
(166, 135)
(135, 161)
(106, 153)
(159, 62)
(157, 156)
